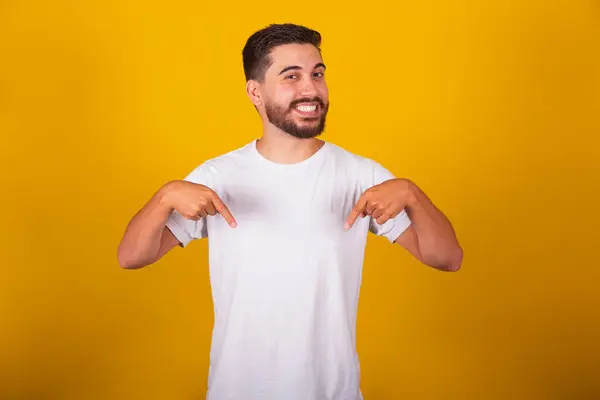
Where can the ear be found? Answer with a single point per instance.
(253, 91)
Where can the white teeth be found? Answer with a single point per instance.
(306, 108)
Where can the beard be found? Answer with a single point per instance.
(282, 118)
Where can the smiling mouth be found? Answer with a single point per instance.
(307, 110)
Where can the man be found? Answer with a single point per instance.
(287, 217)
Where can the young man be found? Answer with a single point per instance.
(287, 217)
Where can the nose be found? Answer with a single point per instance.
(307, 87)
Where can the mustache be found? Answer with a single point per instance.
(308, 100)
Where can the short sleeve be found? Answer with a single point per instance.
(393, 227)
(187, 230)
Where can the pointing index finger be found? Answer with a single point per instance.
(224, 211)
(356, 211)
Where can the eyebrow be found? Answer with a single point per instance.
(293, 67)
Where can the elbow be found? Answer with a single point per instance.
(453, 266)
(126, 263)
(452, 262)
(127, 260)
(129, 265)
(455, 261)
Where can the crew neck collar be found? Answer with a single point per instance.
(311, 159)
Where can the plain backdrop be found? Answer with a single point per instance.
(491, 107)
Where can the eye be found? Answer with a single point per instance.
(291, 76)
(318, 74)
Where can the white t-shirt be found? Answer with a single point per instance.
(286, 281)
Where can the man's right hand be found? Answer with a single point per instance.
(194, 201)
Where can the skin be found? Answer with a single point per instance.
(430, 238)
(303, 76)
(297, 71)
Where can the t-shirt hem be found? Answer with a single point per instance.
(178, 232)
(400, 227)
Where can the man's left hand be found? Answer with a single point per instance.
(382, 202)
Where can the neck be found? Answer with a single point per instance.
(280, 147)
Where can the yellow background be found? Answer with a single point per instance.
(493, 108)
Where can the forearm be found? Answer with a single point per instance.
(437, 240)
(141, 241)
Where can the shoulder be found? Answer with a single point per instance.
(357, 163)
(216, 165)
(231, 158)
(344, 155)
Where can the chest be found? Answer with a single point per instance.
(309, 209)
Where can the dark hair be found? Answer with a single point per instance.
(258, 47)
